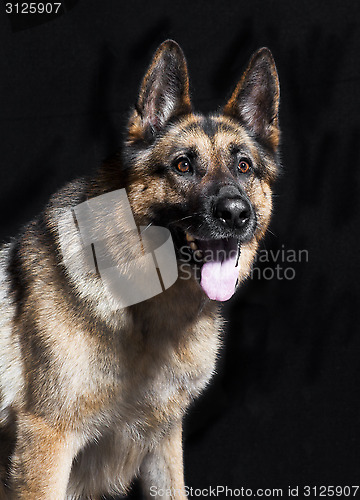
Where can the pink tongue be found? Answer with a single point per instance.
(218, 279)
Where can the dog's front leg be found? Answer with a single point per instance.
(162, 472)
(41, 462)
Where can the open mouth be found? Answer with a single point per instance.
(218, 262)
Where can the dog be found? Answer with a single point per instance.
(92, 392)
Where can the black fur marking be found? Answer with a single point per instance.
(17, 277)
(40, 372)
(8, 441)
(209, 127)
(228, 128)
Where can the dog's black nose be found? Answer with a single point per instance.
(234, 212)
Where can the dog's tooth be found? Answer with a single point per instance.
(198, 254)
(189, 237)
(193, 245)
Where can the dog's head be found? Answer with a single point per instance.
(207, 178)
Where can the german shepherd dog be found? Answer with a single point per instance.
(93, 395)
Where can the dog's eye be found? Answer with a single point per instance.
(183, 166)
(244, 166)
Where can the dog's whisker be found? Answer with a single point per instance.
(147, 227)
(269, 231)
(238, 253)
(184, 218)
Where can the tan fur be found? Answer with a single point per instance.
(93, 395)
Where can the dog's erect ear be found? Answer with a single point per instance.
(255, 100)
(164, 92)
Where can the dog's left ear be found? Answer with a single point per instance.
(164, 92)
(255, 100)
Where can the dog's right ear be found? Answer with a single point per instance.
(164, 92)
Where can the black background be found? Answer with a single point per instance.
(284, 408)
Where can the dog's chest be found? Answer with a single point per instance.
(152, 384)
(157, 389)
